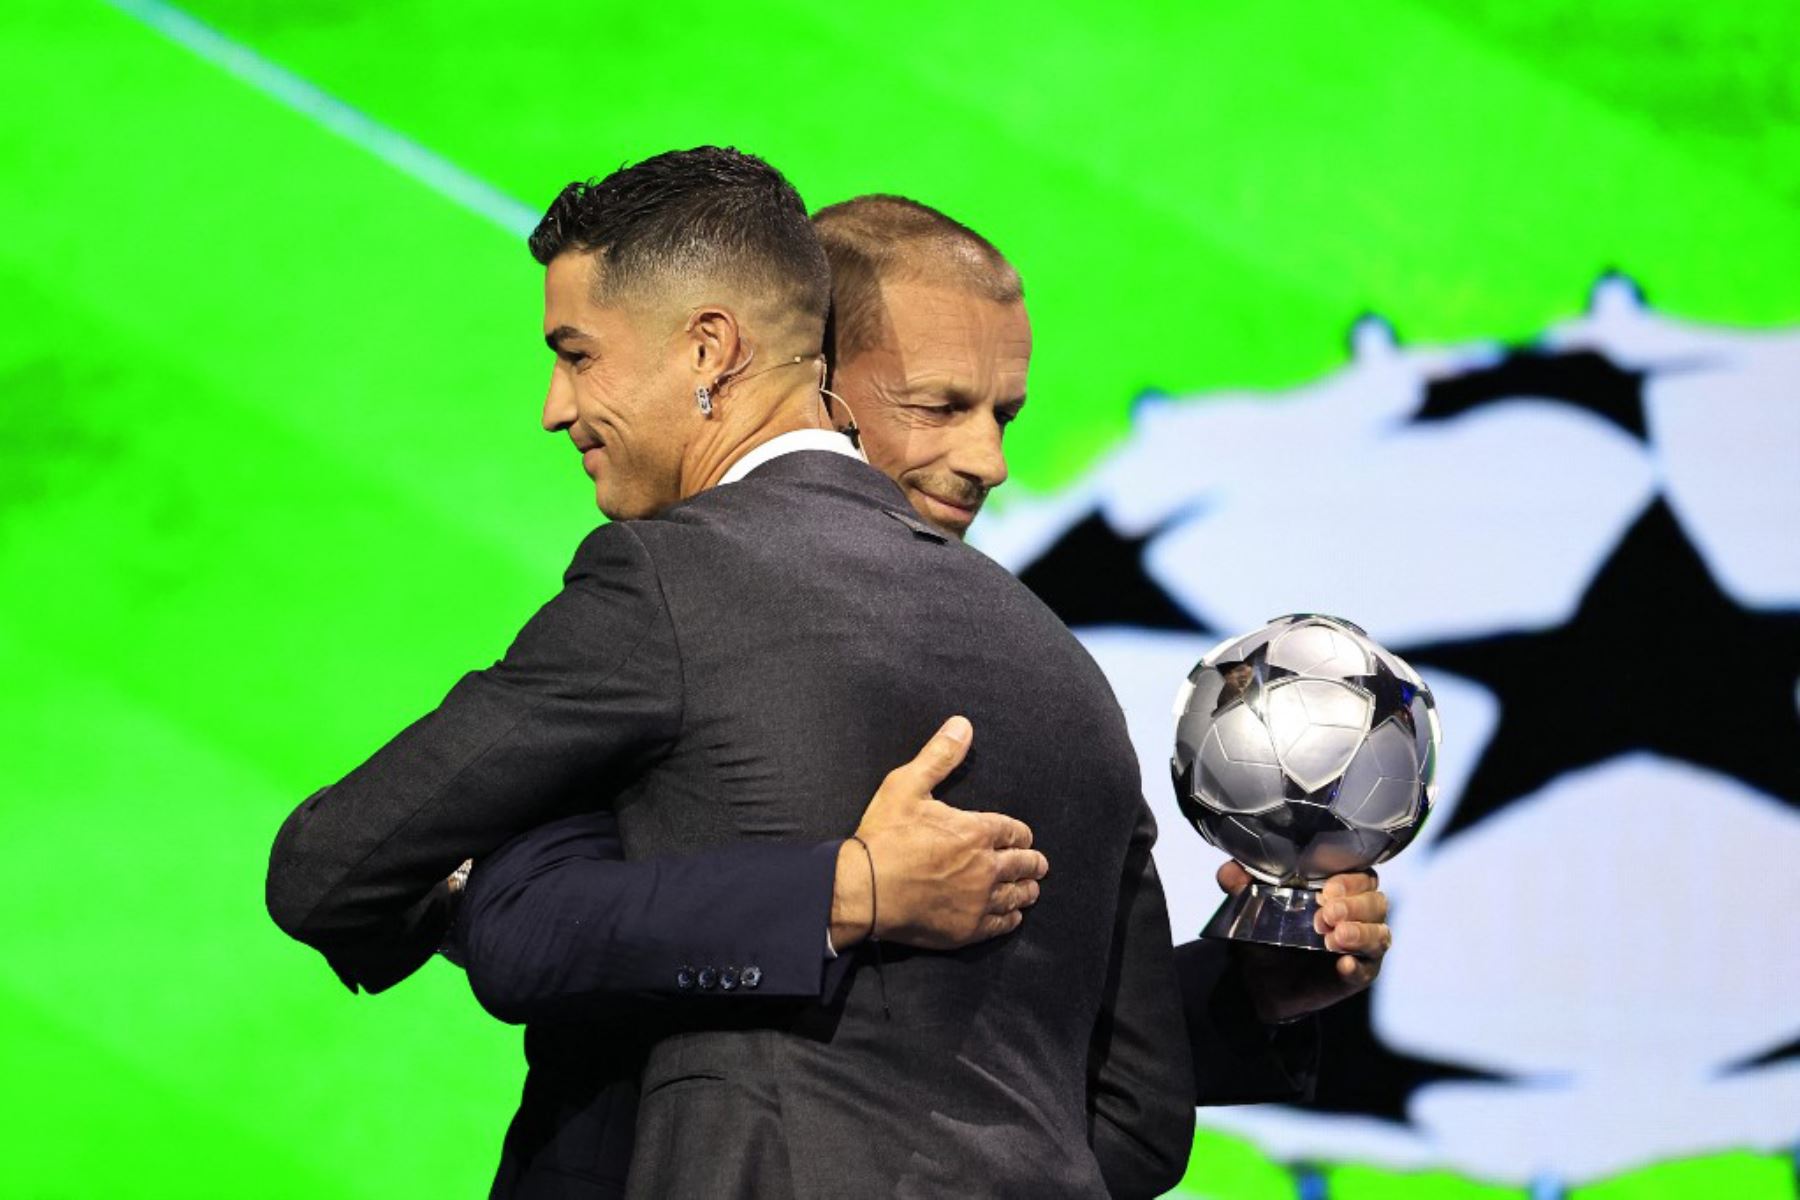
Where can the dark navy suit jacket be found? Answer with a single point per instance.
(598, 957)
(593, 954)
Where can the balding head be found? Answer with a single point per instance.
(879, 239)
(929, 344)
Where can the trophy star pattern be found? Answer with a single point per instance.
(1305, 750)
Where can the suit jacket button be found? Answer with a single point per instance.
(728, 979)
(751, 976)
(709, 978)
(684, 978)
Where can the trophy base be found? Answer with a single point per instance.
(1271, 916)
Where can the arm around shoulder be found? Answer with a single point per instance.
(588, 689)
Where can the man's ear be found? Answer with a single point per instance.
(715, 346)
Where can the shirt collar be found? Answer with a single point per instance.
(829, 440)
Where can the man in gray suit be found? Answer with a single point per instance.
(741, 662)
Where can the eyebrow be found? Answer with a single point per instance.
(958, 396)
(562, 333)
(937, 385)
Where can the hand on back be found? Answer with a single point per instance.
(943, 877)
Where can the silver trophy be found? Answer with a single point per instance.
(1302, 750)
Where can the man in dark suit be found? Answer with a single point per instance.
(741, 667)
(930, 344)
(930, 348)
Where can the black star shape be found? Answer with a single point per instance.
(1580, 378)
(1360, 1074)
(1789, 1052)
(1656, 657)
(1093, 576)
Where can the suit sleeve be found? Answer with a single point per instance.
(587, 693)
(1237, 1058)
(555, 925)
(1140, 1081)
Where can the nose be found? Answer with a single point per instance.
(559, 403)
(978, 454)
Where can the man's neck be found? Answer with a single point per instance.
(750, 421)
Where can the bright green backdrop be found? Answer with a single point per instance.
(269, 476)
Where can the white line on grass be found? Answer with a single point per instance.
(433, 170)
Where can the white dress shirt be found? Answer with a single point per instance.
(829, 440)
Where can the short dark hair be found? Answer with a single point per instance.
(876, 237)
(709, 211)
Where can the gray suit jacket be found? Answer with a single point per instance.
(747, 666)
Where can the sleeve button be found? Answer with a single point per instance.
(684, 978)
(708, 978)
(751, 976)
(728, 979)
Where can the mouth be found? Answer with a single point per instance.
(590, 455)
(954, 514)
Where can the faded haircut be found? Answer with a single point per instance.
(711, 212)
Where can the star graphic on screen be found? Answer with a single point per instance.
(1581, 378)
(1656, 657)
(1785, 1053)
(1094, 576)
(1358, 1073)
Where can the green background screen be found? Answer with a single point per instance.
(271, 477)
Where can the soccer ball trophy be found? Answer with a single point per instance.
(1302, 750)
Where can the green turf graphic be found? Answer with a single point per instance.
(270, 476)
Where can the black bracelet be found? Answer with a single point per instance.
(870, 855)
(875, 942)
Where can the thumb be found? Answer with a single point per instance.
(1232, 877)
(942, 754)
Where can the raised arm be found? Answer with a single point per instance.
(586, 693)
(1140, 1079)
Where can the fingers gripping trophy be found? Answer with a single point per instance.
(1303, 750)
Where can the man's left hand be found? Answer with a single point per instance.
(1286, 984)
